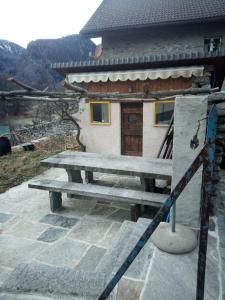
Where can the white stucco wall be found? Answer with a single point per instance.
(104, 139)
(152, 135)
(107, 138)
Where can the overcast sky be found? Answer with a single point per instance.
(22, 21)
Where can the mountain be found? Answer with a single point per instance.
(10, 54)
(32, 65)
(11, 48)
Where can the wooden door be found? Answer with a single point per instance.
(131, 128)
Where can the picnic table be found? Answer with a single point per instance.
(147, 168)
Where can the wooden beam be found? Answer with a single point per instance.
(38, 99)
(73, 87)
(24, 86)
(21, 93)
(30, 94)
(217, 98)
(157, 95)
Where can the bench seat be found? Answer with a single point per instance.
(109, 194)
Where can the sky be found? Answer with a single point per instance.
(23, 21)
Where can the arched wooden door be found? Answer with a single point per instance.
(131, 128)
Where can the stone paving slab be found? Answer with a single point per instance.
(129, 289)
(102, 210)
(27, 229)
(111, 233)
(14, 250)
(4, 227)
(63, 253)
(120, 215)
(52, 235)
(58, 220)
(75, 208)
(90, 229)
(91, 259)
(5, 217)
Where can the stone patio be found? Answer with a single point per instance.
(87, 237)
(30, 233)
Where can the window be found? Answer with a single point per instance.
(212, 44)
(100, 113)
(163, 112)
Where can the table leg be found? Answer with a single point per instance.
(135, 211)
(148, 186)
(55, 200)
(89, 176)
(74, 176)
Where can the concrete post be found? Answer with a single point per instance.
(188, 110)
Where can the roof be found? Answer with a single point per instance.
(132, 62)
(125, 14)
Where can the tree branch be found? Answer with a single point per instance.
(66, 116)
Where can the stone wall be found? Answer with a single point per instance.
(160, 41)
(221, 227)
(43, 129)
(218, 199)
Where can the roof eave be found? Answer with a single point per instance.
(100, 32)
(136, 62)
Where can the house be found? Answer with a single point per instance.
(147, 45)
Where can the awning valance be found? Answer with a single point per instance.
(153, 74)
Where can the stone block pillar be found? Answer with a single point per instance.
(188, 110)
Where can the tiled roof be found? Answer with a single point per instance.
(124, 14)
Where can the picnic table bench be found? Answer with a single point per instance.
(148, 169)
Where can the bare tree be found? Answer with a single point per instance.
(63, 104)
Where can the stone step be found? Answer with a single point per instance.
(54, 281)
(138, 269)
(10, 296)
(173, 277)
(111, 256)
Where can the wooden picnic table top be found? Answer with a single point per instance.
(147, 167)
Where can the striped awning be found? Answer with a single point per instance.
(153, 74)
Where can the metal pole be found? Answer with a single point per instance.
(174, 218)
(208, 165)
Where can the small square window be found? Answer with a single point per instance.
(163, 112)
(212, 44)
(100, 112)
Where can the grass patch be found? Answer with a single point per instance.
(20, 166)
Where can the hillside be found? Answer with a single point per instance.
(32, 65)
(10, 54)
